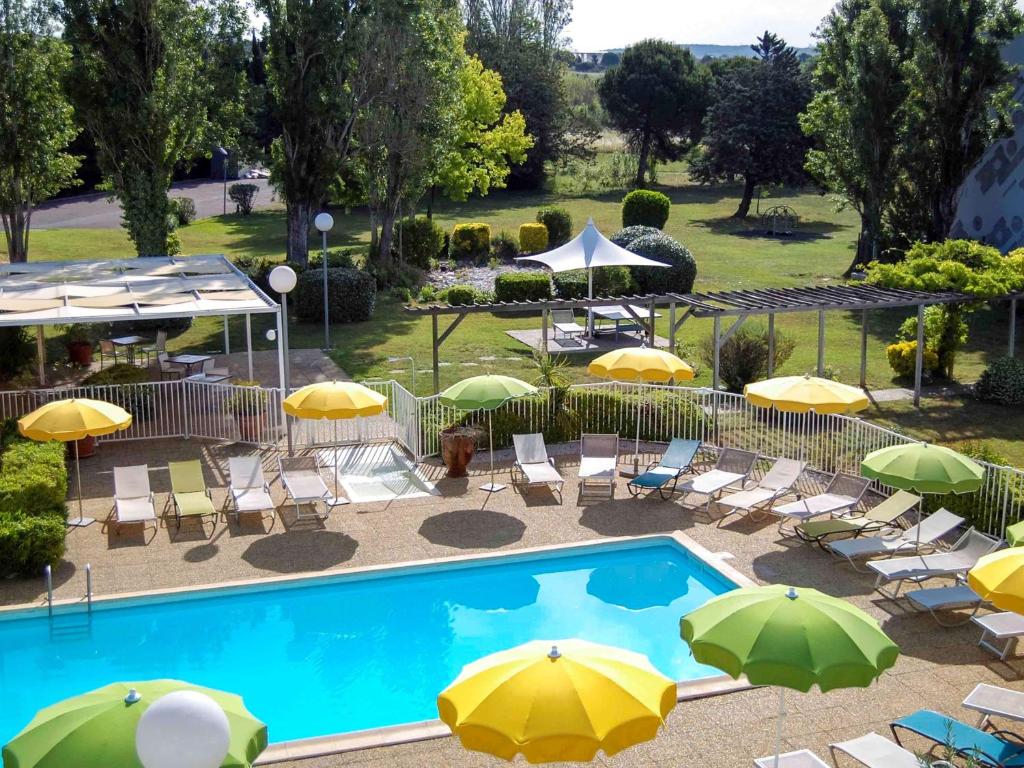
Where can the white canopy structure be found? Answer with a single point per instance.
(587, 250)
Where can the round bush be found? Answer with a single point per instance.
(624, 237)
(461, 295)
(645, 207)
(680, 274)
(533, 238)
(559, 224)
(903, 358)
(470, 241)
(338, 257)
(1002, 382)
(422, 240)
(608, 281)
(522, 286)
(351, 295)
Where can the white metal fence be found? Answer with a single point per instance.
(829, 443)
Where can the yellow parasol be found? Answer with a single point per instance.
(802, 394)
(999, 579)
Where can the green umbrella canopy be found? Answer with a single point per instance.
(97, 729)
(776, 635)
(923, 468)
(485, 392)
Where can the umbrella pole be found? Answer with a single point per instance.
(82, 521)
(491, 487)
(636, 449)
(778, 724)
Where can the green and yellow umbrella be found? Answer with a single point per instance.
(97, 729)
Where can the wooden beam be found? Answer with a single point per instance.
(821, 342)
(732, 329)
(718, 347)
(864, 349)
(41, 355)
(771, 344)
(448, 331)
(919, 357)
(672, 327)
(544, 331)
(434, 355)
(647, 327)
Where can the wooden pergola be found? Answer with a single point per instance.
(737, 305)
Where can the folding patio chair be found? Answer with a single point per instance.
(534, 466)
(842, 494)
(961, 557)
(300, 476)
(564, 321)
(249, 490)
(921, 536)
(133, 498)
(189, 493)
(599, 459)
(881, 517)
(760, 495)
(675, 462)
(730, 471)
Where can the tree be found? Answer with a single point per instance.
(752, 129)
(610, 59)
(148, 82)
(316, 90)
(656, 97)
(856, 118)
(36, 121)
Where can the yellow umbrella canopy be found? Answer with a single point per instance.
(644, 364)
(557, 702)
(334, 400)
(999, 579)
(801, 394)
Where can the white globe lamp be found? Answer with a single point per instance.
(184, 729)
(323, 222)
(282, 279)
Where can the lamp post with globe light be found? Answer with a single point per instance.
(282, 280)
(324, 222)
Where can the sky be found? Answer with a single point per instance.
(601, 24)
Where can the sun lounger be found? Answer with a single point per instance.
(664, 474)
(880, 517)
(914, 539)
(842, 494)
(133, 499)
(730, 471)
(992, 701)
(1005, 627)
(599, 459)
(189, 493)
(564, 321)
(249, 490)
(876, 751)
(761, 494)
(951, 598)
(965, 740)
(300, 476)
(534, 466)
(917, 568)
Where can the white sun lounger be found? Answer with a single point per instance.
(249, 491)
(876, 751)
(934, 599)
(133, 499)
(917, 568)
(599, 459)
(730, 471)
(760, 495)
(533, 464)
(917, 537)
(564, 322)
(842, 494)
(300, 476)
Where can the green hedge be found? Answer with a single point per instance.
(533, 238)
(1002, 382)
(679, 276)
(645, 207)
(608, 281)
(461, 295)
(470, 241)
(352, 295)
(522, 286)
(422, 239)
(559, 224)
(27, 544)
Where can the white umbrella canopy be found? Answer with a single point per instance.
(590, 249)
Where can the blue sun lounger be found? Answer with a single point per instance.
(663, 475)
(966, 740)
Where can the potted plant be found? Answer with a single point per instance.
(248, 404)
(78, 338)
(458, 444)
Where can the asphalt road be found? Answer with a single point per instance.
(97, 211)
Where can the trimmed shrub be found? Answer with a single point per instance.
(645, 207)
(559, 224)
(422, 240)
(138, 401)
(625, 236)
(1002, 382)
(33, 478)
(338, 257)
(470, 241)
(243, 196)
(608, 281)
(743, 358)
(16, 350)
(533, 238)
(461, 295)
(679, 276)
(27, 544)
(522, 286)
(184, 208)
(351, 295)
(903, 358)
(122, 373)
(504, 246)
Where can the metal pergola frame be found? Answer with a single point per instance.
(740, 304)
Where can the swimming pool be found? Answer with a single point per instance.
(342, 653)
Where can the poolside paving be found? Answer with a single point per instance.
(937, 669)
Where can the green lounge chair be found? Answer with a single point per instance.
(878, 518)
(189, 492)
(665, 472)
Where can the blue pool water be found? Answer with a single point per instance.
(339, 654)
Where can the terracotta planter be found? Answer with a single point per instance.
(80, 352)
(86, 448)
(457, 448)
(250, 426)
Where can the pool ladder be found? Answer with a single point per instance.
(69, 627)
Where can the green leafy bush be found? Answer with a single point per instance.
(559, 224)
(522, 286)
(743, 357)
(428, 294)
(422, 239)
(902, 358)
(461, 295)
(27, 544)
(645, 207)
(351, 295)
(138, 401)
(677, 278)
(470, 241)
(608, 281)
(184, 209)
(121, 373)
(1002, 382)
(33, 477)
(504, 246)
(627, 235)
(16, 350)
(337, 257)
(243, 196)
(533, 238)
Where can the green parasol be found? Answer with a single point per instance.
(97, 729)
(486, 393)
(923, 468)
(778, 636)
